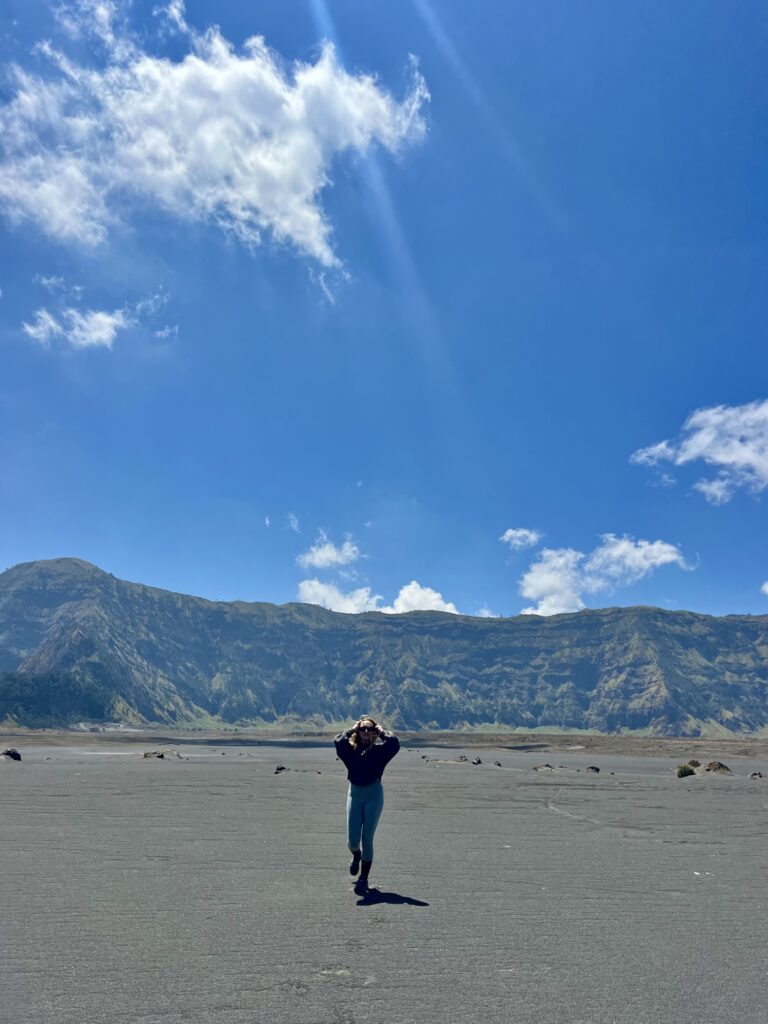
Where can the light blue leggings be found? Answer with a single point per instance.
(364, 807)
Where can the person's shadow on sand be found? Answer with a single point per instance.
(377, 896)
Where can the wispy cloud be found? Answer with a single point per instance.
(560, 577)
(732, 438)
(57, 285)
(95, 19)
(764, 588)
(519, 537)
(87, 329)
(293, 522)
(324, 554)
(169, 331)
(486, 613)
(51, 283)
(223, 136)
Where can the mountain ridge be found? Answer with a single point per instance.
(77, 643)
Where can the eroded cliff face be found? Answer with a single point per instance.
(77, 644)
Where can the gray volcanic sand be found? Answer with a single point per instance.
(211, 889)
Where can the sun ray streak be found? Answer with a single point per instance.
(416, 306)
(495, 125)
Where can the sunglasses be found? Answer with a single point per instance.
(365, 728)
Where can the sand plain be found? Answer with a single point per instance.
(208, 888)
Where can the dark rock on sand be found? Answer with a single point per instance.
(719, 767)
(756, 775)
(476, 760)
(280, 768)
(593, 768)
(12, 754)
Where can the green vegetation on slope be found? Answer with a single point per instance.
(77, 644)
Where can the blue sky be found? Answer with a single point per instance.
(405, 305)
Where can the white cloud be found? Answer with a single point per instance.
(519, 537)
(764, 588)
(560, 577)
(227, 137)
(734, 439)
(413, 597)
(266, 520)
(620, 561)
(293, 522)
(554, 580)
(718, 491)
(95, 327)
(329, 596)
(486, 613)
(325, 555)
(653, 454)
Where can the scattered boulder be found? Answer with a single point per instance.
(497, 763)
(462, 757)
(475, 760)
(280, 768)
(593, 768)
(756, 775)
(684, 770)
(546, 767)
(694, 763)
(719, 767)
(11, 754)
(163, 754)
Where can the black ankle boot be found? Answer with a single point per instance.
(361, 885)
(354, 864)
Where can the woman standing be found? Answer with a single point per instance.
(366, 750)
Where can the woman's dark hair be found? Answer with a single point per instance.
(354, 739)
